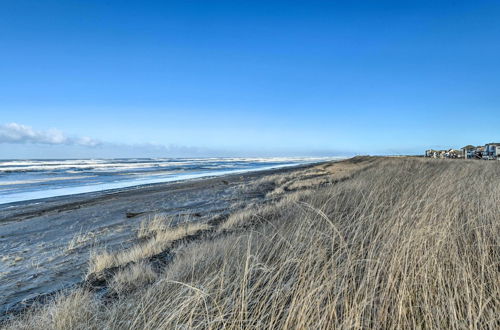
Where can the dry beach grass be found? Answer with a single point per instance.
(158, 237)
(366, 243)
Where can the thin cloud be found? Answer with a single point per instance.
(57, 144)
(22, 134)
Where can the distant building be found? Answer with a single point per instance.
(454, 153)
(468, 151)
(478, 153)
(431, 153)
(491, 151)
(450, 153)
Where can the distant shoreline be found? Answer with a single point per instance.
(135, 188)
(34, 196)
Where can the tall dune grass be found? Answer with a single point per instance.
(405, 243)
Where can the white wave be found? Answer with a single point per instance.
(9, 183)
(54, 192)
(116, 165)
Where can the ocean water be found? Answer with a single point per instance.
(23, 180)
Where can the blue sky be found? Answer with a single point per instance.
(178, 78)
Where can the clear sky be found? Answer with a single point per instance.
(99, 78)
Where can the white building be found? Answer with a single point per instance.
(491, 151)
(469, 151)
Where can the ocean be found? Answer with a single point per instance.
(24, 180)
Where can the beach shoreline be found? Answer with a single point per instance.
(17, 211)
(25, 182)
(36, 233)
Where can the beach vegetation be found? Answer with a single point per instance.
(388, 243)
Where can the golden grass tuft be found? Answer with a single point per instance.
(133, 277)
(80, 240)
(151, 226)
(77, 310)
(160, 241)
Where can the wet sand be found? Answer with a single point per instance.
(45, 244)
